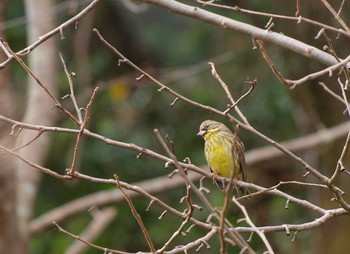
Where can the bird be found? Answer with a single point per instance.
(224, 153)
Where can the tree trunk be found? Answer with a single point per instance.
(42, 62)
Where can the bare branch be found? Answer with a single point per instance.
(243, 28)
(87, 242)
(100, 220)
(81, 132)
(71, 95)
(297, 18)
(57, 30)
(252, 86)
(336, 15)
(329, 71)
(34, 165)
(136, 215)
(270, 63)
(256, 230)
(229, 95)
(298, 227)
(57, 104)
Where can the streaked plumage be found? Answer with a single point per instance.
(223, 150)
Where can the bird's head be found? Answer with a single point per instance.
(209, 127)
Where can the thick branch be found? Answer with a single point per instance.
(297, 227)
(255, 32)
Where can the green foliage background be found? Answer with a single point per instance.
(176, 50)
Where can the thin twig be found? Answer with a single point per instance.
(71, 95)
(57, 104)
(136, 215)
(182, 172)
(331, 51)
(330, 48)
(328, 70)
(106, 250)
(274, 191)
(252, 86)
(34, 165)
(100, 220)
(228, 189)
(187, 217)
(162, 87)
(297, 19)
(270, 63)
(336, 15)
(228, 94)
(81, 132)
(59, 29)
(336, 96)
(222, 83)
(343, 92)
(297, 13)
(339, 168)
(252, 225)
(341, 7)
(30, 141)
(198, 242)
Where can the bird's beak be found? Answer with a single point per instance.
(201, 133)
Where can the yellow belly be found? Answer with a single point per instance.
(220, 160)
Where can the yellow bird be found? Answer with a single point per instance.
(224, 152)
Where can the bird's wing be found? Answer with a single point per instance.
(241, 159)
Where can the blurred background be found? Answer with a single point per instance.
(176, 50)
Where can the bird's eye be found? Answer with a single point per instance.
(205, 128)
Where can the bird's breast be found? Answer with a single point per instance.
(219, 156)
